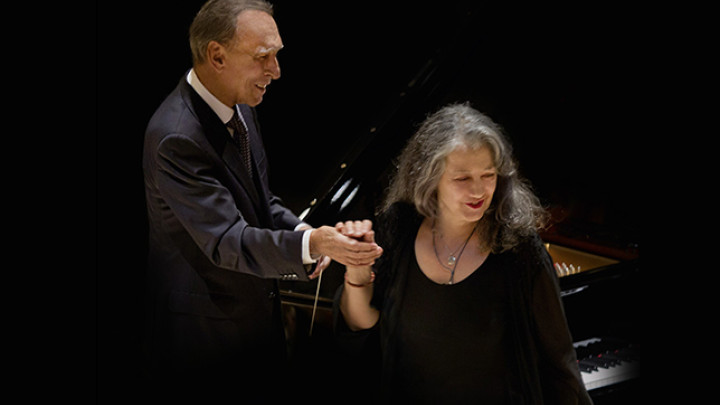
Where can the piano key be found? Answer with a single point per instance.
(598, 361)
(589, 366)
(612, 375)
(617, 358)
(584, 368)
(606, 361)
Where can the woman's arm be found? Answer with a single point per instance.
(358, 288)
(559, 371)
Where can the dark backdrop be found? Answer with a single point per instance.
(559, 81)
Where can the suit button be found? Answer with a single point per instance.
(271, 295)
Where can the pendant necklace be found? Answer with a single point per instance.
(452, 260)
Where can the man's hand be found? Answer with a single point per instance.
(322, 263)
(342, 246)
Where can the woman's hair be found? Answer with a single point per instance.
(514, 212)
(217, 21)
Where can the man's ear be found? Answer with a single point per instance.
(216, 55)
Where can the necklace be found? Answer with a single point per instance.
(452, 260)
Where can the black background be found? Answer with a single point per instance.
(560, 80)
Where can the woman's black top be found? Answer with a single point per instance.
(454, 345)
(498, 336)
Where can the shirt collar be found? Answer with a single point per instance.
(224, 112)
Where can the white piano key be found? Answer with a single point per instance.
(610, 375)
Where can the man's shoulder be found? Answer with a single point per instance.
(174, 115)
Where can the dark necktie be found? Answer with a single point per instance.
(240, 137)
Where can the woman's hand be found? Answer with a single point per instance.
(361, 231)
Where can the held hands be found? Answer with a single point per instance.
(358, 275)
(351, 243)
(358, 289)
(359, 230)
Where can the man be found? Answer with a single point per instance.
(219, 239)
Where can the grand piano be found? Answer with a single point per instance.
(596, 251)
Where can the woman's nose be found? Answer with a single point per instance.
(478, 189)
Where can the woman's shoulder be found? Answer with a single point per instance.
(530, 244)
(529, 253)
(396, 228)
(399, 209)
(400, 216)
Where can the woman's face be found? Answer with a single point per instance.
(467, 186)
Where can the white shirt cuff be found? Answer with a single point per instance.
(306, 258)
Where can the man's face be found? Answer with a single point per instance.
(252, 58)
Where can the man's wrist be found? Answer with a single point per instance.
(307, 256)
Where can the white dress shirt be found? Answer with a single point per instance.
(225, 114)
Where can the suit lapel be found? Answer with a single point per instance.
(254, 133)
(257, 153)
(219, 137)
(232, 158)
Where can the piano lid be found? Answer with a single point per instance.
(546, 81)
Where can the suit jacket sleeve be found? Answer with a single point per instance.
(282, 216)
(186, 176)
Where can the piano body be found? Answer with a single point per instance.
(598, 266)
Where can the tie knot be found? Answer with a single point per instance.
(236, 123)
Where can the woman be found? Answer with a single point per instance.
(464, 301)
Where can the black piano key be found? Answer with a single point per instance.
(618, 359)
(612, 361)
(588, 365)
(601, 347)
(605, 363)
(582, 352)
(599, 362)
(584, 368)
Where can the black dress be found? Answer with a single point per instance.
(453, 339)
(498, 336)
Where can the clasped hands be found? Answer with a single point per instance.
(351, 243)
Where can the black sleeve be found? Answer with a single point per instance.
(558, 369)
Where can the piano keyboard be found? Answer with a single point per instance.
(606, 361)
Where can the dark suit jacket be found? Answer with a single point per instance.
(219, 241)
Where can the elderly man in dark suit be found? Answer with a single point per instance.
(219, 239)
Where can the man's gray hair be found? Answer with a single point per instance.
(217, 21)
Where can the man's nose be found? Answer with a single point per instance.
(273, 68)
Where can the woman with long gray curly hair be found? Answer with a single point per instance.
(516, 210)
(466, 304)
